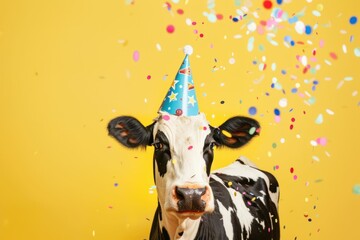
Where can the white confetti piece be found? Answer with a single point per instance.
(158, 47)
(232, 60)
(188, 22)
(327, 62)
(299, 27)
(344, 48)
(251, 27)
(330, 112)
(283, 102)
(303, 60)
(343, 32)
(313, 143)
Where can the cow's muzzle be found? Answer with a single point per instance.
(191, 199)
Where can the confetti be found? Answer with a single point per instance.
(252, 130)
(357, 52)
(267, 4)
(252, 111)
(353, 20)
(170, 28)
(321, 141)
(356, 189)
(319, 119)
(226, 133)
(250, 45)
(283, 102)
(299, 27)
(136, 56)
(166, 117)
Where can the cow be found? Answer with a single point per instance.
(239, 201)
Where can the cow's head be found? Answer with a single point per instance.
(183, 154)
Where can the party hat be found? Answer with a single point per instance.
(181, 98)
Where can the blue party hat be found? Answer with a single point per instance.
(181, 98)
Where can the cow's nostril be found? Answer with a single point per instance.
(189, 199)
(180, 193)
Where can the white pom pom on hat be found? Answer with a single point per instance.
(188, 49)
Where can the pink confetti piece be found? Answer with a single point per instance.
(136, 56)
(321, 141)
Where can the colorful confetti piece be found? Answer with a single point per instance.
(170, 28)
(136, 56)
(356, 189)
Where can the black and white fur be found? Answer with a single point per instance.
(239, 201)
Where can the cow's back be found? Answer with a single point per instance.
(246, 201)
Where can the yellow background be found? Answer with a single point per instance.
(67, 68)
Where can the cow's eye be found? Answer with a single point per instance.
(158, 145)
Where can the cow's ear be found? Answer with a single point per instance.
(130, 132)
(236, 131)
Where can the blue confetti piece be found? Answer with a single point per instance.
(252, 110)
(292, 20)
(353, 20)
(287, 39)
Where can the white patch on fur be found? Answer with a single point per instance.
(226, 216)
(186, 136)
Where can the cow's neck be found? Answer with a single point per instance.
(178, 228)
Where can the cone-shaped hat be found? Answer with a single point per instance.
(181, 98)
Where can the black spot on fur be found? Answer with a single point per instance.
(162, 153)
